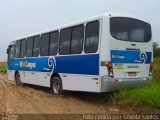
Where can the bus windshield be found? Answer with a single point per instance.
(10, 52)
(129, 29)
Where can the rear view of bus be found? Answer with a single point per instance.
(130, 49)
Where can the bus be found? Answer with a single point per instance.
(100, 54)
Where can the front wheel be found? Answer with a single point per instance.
(18, 79)
(56, 86)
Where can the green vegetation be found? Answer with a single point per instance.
(3, 69)
(147, 95)
(156, 49)
(156, 52)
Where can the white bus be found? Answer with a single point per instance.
(100, 54)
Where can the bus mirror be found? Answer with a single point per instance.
(7, 50)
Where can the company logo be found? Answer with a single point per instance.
(25, 64)
(51, 65)
(118, 57)
(143, 58)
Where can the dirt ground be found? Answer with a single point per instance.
(30, 99)
(2, 63)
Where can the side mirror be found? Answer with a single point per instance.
(7, 50)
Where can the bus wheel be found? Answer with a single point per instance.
(56, 86)
(18, 79)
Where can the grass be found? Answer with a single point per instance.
(147, 95)
(3, 68)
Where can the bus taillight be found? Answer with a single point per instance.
(151, 69)
(110, 69)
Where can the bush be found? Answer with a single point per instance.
(156, 52)
(3, 69)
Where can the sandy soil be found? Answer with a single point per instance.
(30, 99)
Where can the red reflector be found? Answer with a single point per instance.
(116, 81)
(95, 78)
(147, 78)
(64, 76)
(48, 74)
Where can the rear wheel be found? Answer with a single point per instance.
(56, 86)
(18, 79)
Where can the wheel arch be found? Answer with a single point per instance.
(55, 75)
(16, 72)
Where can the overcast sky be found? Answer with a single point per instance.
(22, 17)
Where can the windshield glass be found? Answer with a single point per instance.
(11, 51)
(129, 29)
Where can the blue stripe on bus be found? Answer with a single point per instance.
(78, 64)
(134, 57)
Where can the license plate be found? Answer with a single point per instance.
(132, 74)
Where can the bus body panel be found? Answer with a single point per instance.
(74, 64)
(11, 75)
(105, 46)
(35, 78)
(78, 72)
(131, 61)
(79, 82)
(128, 57)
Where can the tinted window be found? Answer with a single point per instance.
(23, 48)
(129, 29)
(65, 41)
(29, 47)
(77, 39)
(36, 46)
(44, 44)
(18, 46)
(92, 37)
(53, 47)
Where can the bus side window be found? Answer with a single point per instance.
(65, 41)
(36, 46)
(29, 47)
(77, 39)
(44, 44)
(92, 37)
(18, 46)
(23, 48)
(53, 46)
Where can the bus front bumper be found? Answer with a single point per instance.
(111, 84)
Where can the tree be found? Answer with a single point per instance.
(155, 45)
(156, 50)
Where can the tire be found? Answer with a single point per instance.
(18, 79)
(56, 86)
